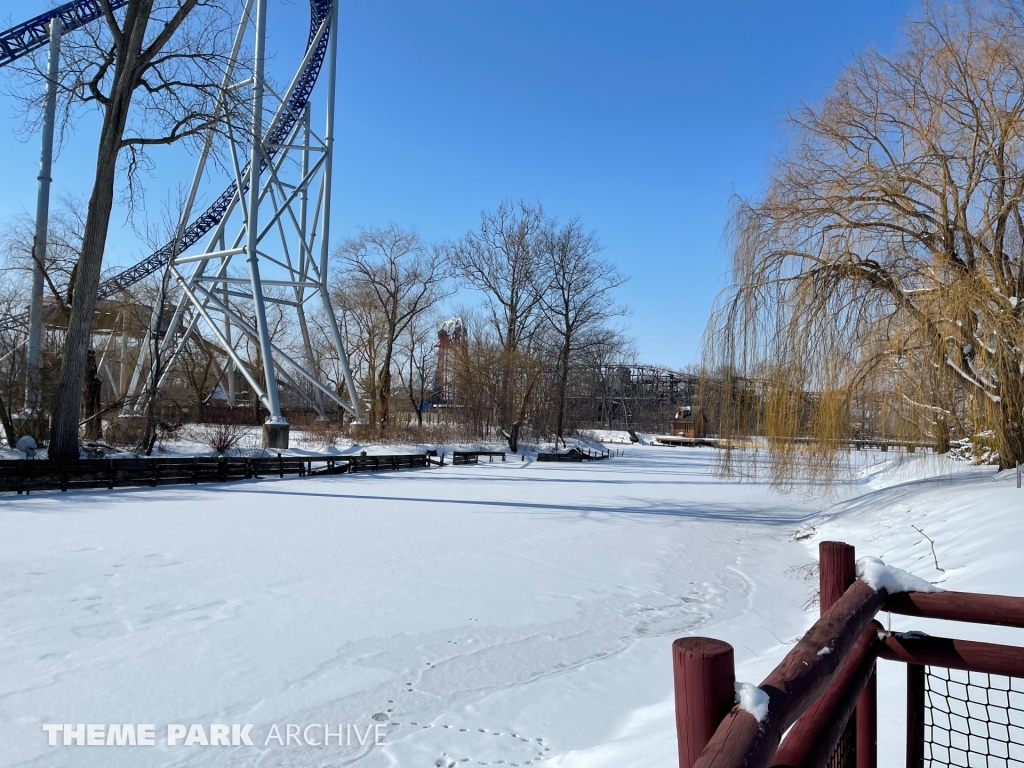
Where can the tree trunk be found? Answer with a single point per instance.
(382, 394)
(5, 417)
(93, 399)
(563, 385)
(1010, 431)
(64, 429)
(513, 437)
(941, 436)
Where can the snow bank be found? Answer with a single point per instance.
(753, 700)
(878, 575)
(520, 612)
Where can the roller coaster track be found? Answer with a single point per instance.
(23, 39)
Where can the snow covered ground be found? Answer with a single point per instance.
(501, 614)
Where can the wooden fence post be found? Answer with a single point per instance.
(915, 716)
(705, 679)
(837, 570)
(867, 723)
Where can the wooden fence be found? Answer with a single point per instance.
(473, 457)
(24, 476)
(827, 699)
(385, 463)
(575, 454)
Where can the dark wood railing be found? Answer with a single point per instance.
(24, 476)
(575, 454)
(827, 699)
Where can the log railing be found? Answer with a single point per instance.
(824, 692)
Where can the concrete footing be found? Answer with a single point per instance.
(275, 434)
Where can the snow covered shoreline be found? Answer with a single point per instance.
(519, 612)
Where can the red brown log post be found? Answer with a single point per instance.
(837, 570)
(705, 678)
(867, 723)
(915, 716)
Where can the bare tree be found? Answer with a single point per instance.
(403, 278)
(64, 238)
(576, 300)
(200, 371)
(153, 70)
(65, 227)
(887, 254)
(417, 351)
(502, 259)
(362, 326)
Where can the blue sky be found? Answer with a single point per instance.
(642, 118)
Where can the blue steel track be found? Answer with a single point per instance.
(29, 36)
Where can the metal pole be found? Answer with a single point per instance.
(273, 402)
(305, 258)
(325, 234)
(915, 715)
(35, 322)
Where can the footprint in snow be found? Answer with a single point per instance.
(538, 749)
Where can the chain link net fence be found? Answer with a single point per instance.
(845, 753)
(973, 719)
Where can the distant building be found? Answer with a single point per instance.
(451, 333)
(688, 422)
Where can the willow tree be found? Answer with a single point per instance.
(884, 262)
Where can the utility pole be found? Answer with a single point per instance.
(35, 323)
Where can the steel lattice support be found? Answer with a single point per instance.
(285, 260)
(281, 168)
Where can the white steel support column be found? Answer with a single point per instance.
(289, 177)
(304, 255)
(325, 233)
(35, 323)
(256, 154)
